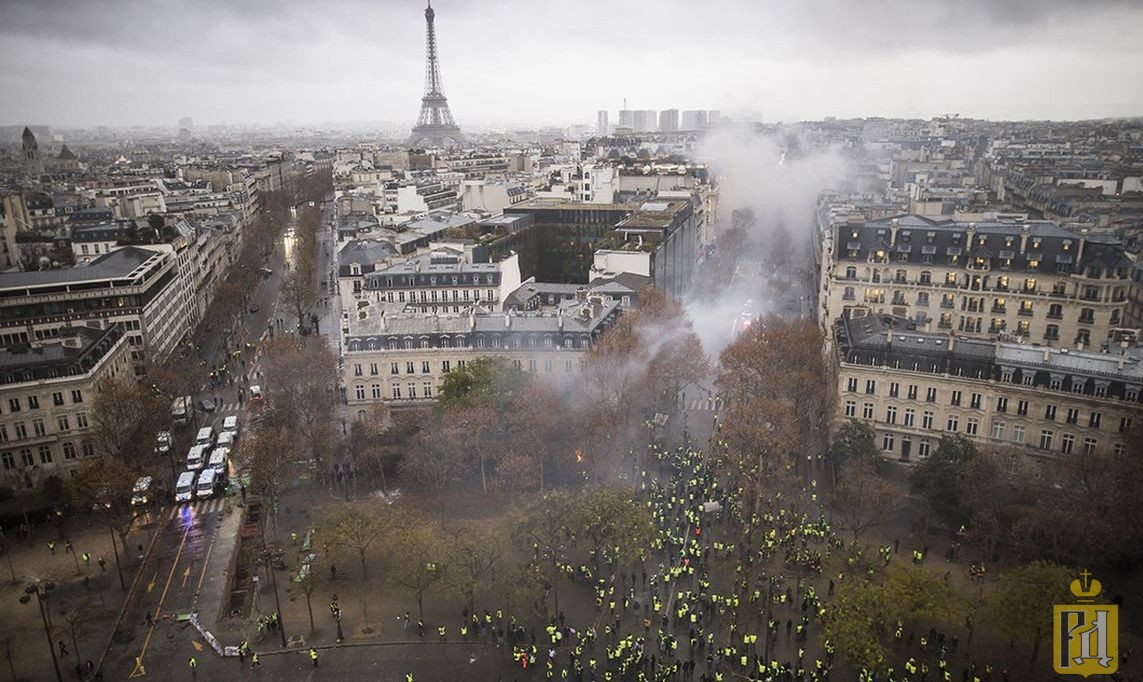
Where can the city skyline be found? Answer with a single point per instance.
(139, 65)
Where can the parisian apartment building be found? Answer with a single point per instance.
(913, 386)
(1028, 281)
(47, 395)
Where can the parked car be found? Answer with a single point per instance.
(141, 493)
(207, 404)
(256, 393)
(163, 442)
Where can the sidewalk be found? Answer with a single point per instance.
(87, 609)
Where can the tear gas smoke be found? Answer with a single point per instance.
(778, 178)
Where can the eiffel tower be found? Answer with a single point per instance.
(435, 125)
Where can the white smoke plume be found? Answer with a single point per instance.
(778, 177)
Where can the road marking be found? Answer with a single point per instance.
(205, 563)
(151, 585)
(186, 574)
(139, 671)
(197, 646)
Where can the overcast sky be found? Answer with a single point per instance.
(533, 62)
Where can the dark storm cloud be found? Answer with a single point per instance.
(555, 62)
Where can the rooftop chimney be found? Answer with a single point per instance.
(507, 320)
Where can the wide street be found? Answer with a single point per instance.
(190, 556)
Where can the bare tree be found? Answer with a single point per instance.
(308, 583)
(302, 389)
(472, 556)
(417, 557)
(356, 527)
(271, 457)
(863, 499)
(125, 418)
(106, 487)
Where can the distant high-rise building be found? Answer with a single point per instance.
(694, 119)
(668, 120)
(186, 123)
(33, 166)
(644, 120)
(713, 117)
(626, 118)
(601, 123)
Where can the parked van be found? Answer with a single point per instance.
(184, 489)
(205, 436)
(196, 457)
(219, 460)
(231, 424)
(180, 410)
(205, 486)
(225, 440)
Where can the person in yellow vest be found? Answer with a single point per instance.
(314, 656)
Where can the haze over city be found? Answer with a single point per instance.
(71, 63)
(645, 341)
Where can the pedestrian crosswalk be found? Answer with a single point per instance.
(704, 405)
(207, 506)
(227, 406)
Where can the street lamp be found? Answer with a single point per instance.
(268, 554)
(43, 589)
